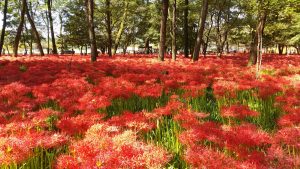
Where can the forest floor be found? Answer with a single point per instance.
(135, 112)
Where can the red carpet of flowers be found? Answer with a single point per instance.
(220, 115)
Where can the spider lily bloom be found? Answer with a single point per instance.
(238, 111)
(100, 148)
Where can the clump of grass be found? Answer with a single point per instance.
(207, 103)
(269, 113)
(52, 104)
(166, 135)
(134, 104)
(23, 68)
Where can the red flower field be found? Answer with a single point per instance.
(131, 111)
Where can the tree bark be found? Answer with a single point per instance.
(90, 17)
(260, 31)
(199, 39)
(30, 41)
(108, 23)
(49, 5)
(24, 41)
(60, 33)
(121, 29)
(35, 32)
(147, 45)
(19, 30)
(280, 49)
(174, 48)
(205, 44)
(3, 26)
(163, 28)
(186, 28)
(48, 33)
(297, 49)
(222, 35)
(253, 48)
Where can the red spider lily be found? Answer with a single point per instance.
(189, 119)
(67, 162)
(152, 90)
(92, 102)
(291, 119)
(238, 111)
(271, 86)
(40, 118)
(277, 158)
(115, 87)
(200, 157)
(241, 139)
(289, 136)
(101, 149)
(14, 150)
(169, 109)
(78, 124)
(208, 131)
(136, 122)
(224, 88)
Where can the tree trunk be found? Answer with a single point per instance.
(19, 30)
(35, 32)
(30, 41)
(205, 44)
(297, 48)
(186, 28)
(108, 23)
(24, 41)
(219, 39)
(163, 28)
(49, 5)
(90, 17)
(280, 49)
(147, 45)
(260, 30)
(48, 33)
(174, 48)
(60, 33)
(222, 36)
(253, 48)
(121, 29)
(3, 26)
(199, 40)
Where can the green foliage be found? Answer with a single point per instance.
(135, 104)
(23, 68)
(52, 104)
(166, 135)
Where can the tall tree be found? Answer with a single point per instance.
(3, 26)
(49, 6)
(108, 28)
(163, 28)
(262, 17)
(186, 28)
(256, 44)
(34, 30)
(92, 37)
(121, 28)
(199, 39)
(20, 28)
(174, 47)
